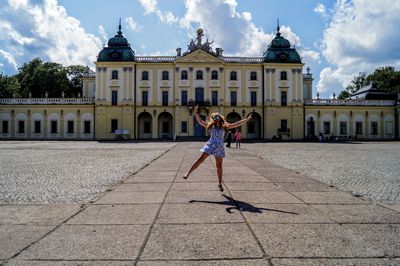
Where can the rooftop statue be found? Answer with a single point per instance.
(195, 45)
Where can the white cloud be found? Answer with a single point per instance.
(321, 9)
(361, 36)
(150, 7)
(132, 24)
(9, 60)
(44, 29)
(103, 34)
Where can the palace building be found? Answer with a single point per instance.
(153, 97)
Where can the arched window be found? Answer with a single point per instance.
(114, 74)
(145, 75)
(233, 75)
(184, 74)
(214, 74)
(199, 74)
(165, 75)
(253, 75)
(283, 75)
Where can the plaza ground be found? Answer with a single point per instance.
(146, 214)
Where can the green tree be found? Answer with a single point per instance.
(9, 86)
(75, 73)
(386, 79)
(357, 83)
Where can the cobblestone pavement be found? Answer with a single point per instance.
(370, 169)
(66, 172)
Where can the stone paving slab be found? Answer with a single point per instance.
(265, 197)
(335, 262)
(143, 187)
(116, 214)
(14, 238)
(238, 262)
(85, 242)
(252, 186)
(329, 198)
(194, 186)
(187, 196)
(150, 179)
(201, 241)
(49, 214)
(69, 263)
(311, 186)
(131, 197)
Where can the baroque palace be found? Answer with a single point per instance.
(153, 97)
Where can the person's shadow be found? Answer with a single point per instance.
(239, 205)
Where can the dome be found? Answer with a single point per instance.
(118, 49)
(279, 51)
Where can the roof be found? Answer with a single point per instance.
(370, 92)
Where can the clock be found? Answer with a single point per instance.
(115, 54)
(282, 56)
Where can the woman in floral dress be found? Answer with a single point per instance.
(215, 145)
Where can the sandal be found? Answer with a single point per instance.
(221, 188)
(185, 176)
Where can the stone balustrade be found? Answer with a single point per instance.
(350, 102)
(47, 101)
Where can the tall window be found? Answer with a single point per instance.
(53, 125)
(70, 127)
(5, 126)
(283, 98)
(283, 75)
(233, 75)
(253, 75)
(359, 128)
(343, 128)
(114, 74)
(284, 125)
(86, 127)
(214, 74)
(233, 98)
(214, 98)
(114, 98)
(165, 75)
(37, 127)
(199, 95)
(253, 98)
(145, 75)
(184, 126)
(327, 127)
(114, 125)
(184, 74)
(374, 128)
(199, 74)
(165, 98)
(145, 98)
(183, 98)
(21, 126)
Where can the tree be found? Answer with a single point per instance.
(75, 74)
(9, 86)
(357, 83)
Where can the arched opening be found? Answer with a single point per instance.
(254, 126)
(310, 128)
(232, 118)
(165, 126)
(145, 122)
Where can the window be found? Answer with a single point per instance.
(146, 127)
(145, 98)
(165, 127)
(389, 127)
(199, 74)
(253, 75)
(184, 98)
(233, 75)
(253, 98)
(114, 125)
(5, 126)
(21, 126)
(86, 129)
(114, 98)
(359, 128)
(114, 74)
(327, 127)
(214, 74)
(184, 126)
(374, 128)
(283, 75)
(283, 98)
(70, 127)
(199, 95)
(165, 75)
(53, 127)
(184, 74)
(233, 98)
(145, 75)
(214, 98)
(343, 128)
(165, 98)
(37, 127)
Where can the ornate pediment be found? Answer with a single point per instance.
(199, 56)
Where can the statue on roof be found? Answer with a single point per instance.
(196, 45)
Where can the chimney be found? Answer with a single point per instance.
(178, 51)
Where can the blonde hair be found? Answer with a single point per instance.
(214, 118)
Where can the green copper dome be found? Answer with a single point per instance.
(279, 51)
(118, 49)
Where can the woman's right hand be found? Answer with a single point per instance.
(196, 109)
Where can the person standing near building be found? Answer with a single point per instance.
(238, 138)
(215, 145)
(228, 139)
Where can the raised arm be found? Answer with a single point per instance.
(239, 123)
(198, 118)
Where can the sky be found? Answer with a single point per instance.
(337, 39)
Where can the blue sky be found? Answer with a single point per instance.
(337, 39)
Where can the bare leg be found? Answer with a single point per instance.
(196, 164)
(218, 162)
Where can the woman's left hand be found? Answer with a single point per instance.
(249, 117)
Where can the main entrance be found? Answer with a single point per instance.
(199, 130)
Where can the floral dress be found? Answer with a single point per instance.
(215, 145)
